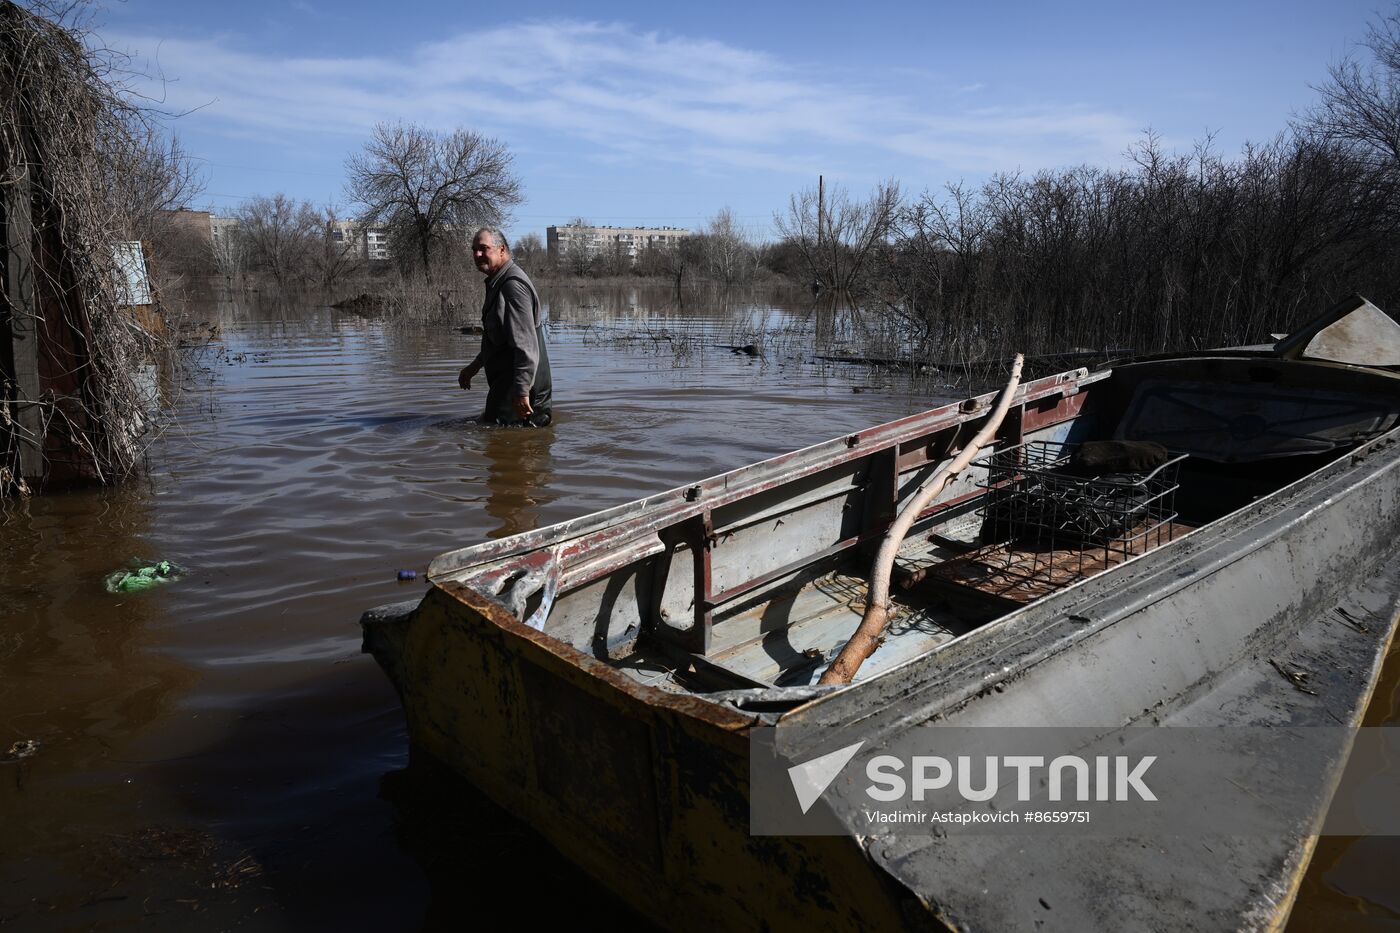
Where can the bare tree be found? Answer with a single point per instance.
(729, 256)
(230, 254)
(336, 255)
(671, 258)
(1360, 101)
(579, 261)
(838, 238)
(529, 251)
(279, 236)
(939, 242)
(576, 257)
(151, 175)
(613, 259)
(429, 189)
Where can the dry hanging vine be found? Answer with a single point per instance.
(78, 159)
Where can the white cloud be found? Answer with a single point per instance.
(628, 92)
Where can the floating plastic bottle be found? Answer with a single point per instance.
(142, 575)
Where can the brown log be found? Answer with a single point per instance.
(872, 625)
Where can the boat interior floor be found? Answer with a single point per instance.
(947, 581)
(819, 620)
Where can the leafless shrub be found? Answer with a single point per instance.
(835, 237)
(729, 255)
(1175, 252)
(281, 236)
(674, 260)
(87, 162)
(454, 295)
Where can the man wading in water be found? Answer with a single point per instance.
(512, 344)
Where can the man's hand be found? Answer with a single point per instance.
(522, 407)
(464, 378)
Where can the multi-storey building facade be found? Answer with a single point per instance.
(574, 240)
(224, 245)
(221, 229)
(377, 244)
(346, 235)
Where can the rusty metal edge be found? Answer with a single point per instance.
(711, 713)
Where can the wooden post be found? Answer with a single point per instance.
(21, 312)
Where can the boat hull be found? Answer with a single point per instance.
(645, 791)
(648, 789)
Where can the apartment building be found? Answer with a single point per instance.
(221, 231)
(221, 228)
(346, 235)
(358, 240)
(571, 240)
(377, 244)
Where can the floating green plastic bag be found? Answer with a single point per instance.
(142, 575)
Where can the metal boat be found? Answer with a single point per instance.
(601, 678)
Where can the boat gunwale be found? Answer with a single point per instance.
(625, 533)
(616, 526)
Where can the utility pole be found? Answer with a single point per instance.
(821, 209)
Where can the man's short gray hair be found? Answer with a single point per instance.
(495, 234)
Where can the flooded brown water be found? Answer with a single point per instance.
(217, 754)
(213, 753)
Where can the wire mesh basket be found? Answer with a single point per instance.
(1037, 504)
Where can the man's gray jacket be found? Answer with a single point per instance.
(513, 352)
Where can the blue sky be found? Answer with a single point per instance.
(657, 113)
